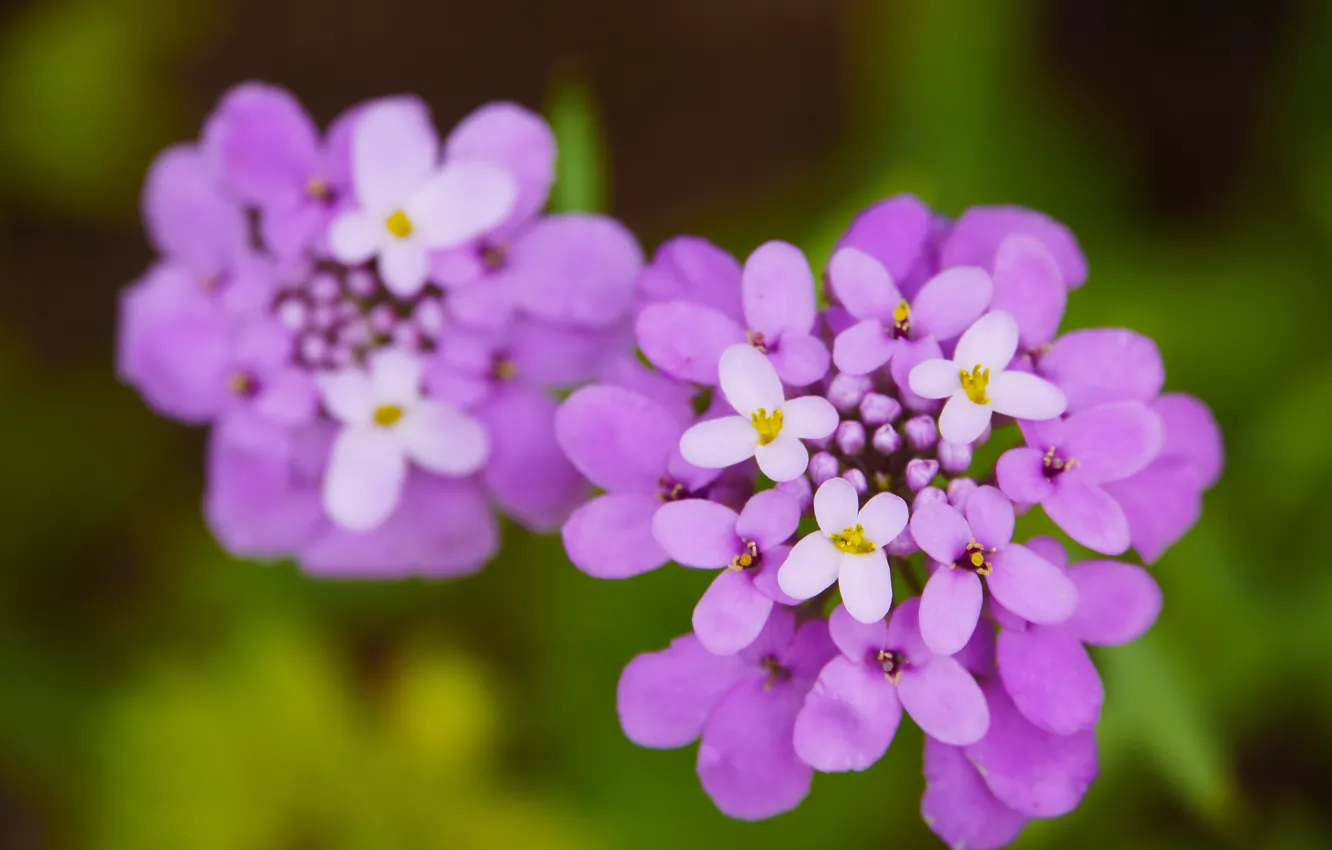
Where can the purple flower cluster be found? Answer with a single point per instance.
(374, 323)
(804, 653)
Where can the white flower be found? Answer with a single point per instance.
(387, 422)
(847, 549)
(410, 205)
(769, 428)
(976, 385)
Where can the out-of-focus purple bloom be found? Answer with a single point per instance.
(959, 807)
(976, 237)
(742, 706)
(1103, 365)
(979, 543)
(847, 549)
(920, 472)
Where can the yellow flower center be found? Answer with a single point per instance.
(758, 340)
(852, 540)
(387, 414)
(974, 557)
(399, 225)
(975, 383)
(747, 558)
(241, 384)
(768, 427)
(504, 369)
(316, 188)
(892, 664)
(902, 317)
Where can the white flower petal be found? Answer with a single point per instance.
(1025, 396)
(394, 151)
(784, 459)
(884, 517)
(462, 201)
(719, 443)
(443, 439)
(810, 417)
(395, 376)
(810, 568)
(935, 379)
(836, 506)
(749, 381)
(866, 584)
(355, 236)
(404, 264)
(962, 420)
(991, 341)
(365, 474)
(348, 396)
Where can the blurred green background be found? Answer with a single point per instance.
(156, 694)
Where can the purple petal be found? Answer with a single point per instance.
(907, 355)
(904, 632)
(769, 518)
(692, 269)
(1031, 587)
(863, 347)
(1158, 504)
(697, 533)
(991, 517)
(1191, 433)
(1051, 550)
(950, 302)
(958, 806)
(576, 269)
(747, 762)
(611, 536)
(1050, 678)
(527, 473)
(664, 697)
(1113, 441)
(856, 640)
(731, 613)
(949, 609)
(979, 232)
(941, 531)
(556, 356)
(1028, 284)
(765, 579)
(686, 340)
(394, 149)
(517, 139)
(1117, 602)
(265, 144)
(862, 285)
(775, 638)
(674, 396)
(188, 218)
(945, 701)
(619, 439)
(848, 719)
(1021, 474)
(1028, 769)
(800, 359)
(1102, 365)
(778, 290)
(810, 649)
(978, 655)
(895, 232)
(1088, 514)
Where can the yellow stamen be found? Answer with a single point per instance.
(975, 555)
(317, 188)
(387, 414)
(399, 225)
(768, 427)
(504, 369)
(758, 340)
(902, 316)
(852, 540)
(493, 256)
(745, 559)
(975, 383)
(240, 383)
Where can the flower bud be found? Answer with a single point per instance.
(903, 544)
(886, 440)
(383, 319)
(823, 467)
(800, 490)
(953, 457)
(878, 409)
(928, 495)
(921, 432)
(293, 313)
(858, 480)
(361, 282)
(846, 391)
(851, 437)
(920, 472)
(959, 490)
(324, 287)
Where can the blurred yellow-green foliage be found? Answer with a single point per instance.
(156, 694)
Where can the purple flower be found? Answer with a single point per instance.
(943, 308)
(1029, 286)
(387, 422)
(626, 444)
(1102, 365)
(692, 269)
(852, 713)
(409, 205)
(745, 546)
(1067, 461)
(847, 549)
(959, 807)
(977, 236)
(768, 428)
(966, 548)
(687, 338)
(742, 706)
(977, 384)
(899, 233)
(1045, 669)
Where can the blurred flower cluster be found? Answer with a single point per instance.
(373, 323)
(804, 654)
